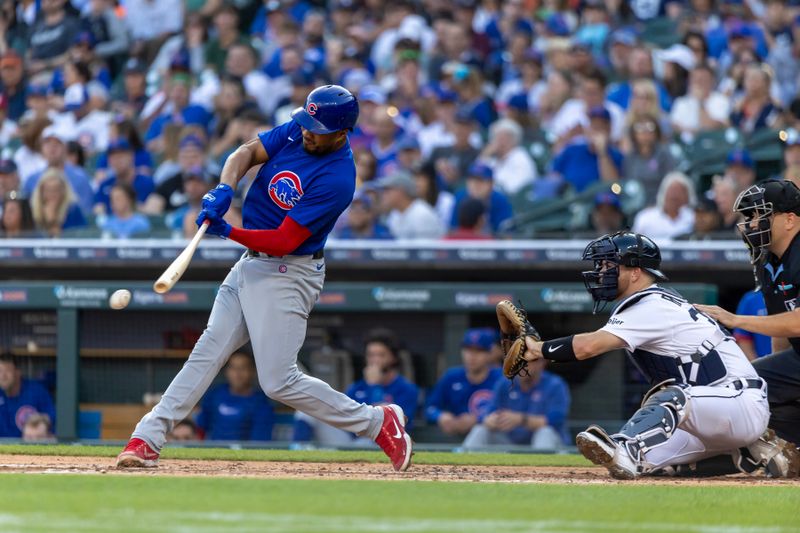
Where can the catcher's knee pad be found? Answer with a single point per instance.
(653, 424)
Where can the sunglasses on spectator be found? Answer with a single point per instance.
(648, 96)
(642, 127)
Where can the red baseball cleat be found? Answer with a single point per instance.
(393, 438)
(137, 454)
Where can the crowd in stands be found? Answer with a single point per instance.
(117, 115)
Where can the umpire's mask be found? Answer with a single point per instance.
(757, 204)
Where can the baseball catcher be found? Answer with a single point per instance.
(706, 399)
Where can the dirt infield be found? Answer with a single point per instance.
(297, 470)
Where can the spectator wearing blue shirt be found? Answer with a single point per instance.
(361, 221)
(464, 394)
(754, 345)
(533, 410)
(20, 399)
(121, 162)
(178, 110)
(236, 410)
(480, 186)
(54, 151)
(590, 158)
(639, 66)
(124, 221)
(54, 205)
(382, 384)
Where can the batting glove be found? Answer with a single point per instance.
(217, 201)
(216, 226)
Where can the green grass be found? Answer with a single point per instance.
(75, 503)
(308, 456)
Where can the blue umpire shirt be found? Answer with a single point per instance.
(549, 397)
(14, 410)
(313, 190)
(454, 393)
(227, 416)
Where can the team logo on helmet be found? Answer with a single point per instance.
(285, 189)
(311, 108)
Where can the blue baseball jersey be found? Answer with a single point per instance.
(752, 303)
(15, 410)
(313, 190)
(400, 391)
(227, 416)
(549, 397)
(454, 393)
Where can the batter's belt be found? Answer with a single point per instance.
(319, 254)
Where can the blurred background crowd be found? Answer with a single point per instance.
(480, 119)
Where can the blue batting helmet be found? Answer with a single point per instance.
(328, 109)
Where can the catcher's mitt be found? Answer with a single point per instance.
(515, 327)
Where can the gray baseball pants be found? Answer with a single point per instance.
(266, 300)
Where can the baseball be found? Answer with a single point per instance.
(120, 299)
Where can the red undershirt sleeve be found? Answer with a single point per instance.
(281, 241)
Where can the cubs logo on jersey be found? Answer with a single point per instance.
(285, 189)
(480, 401)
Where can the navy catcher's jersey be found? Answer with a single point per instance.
(780, 282)
(313, 190)
(668, 338)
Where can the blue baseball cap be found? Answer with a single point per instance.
(740, 157)
(192, 140)
(600, 112)
(480, 170)
(372, 93)
(557, 25)
(85, 37)
(407, 142)
(119, 145)
(482, 338)
(37, 90)
(624, 36)
(519, 102)
(608, 198)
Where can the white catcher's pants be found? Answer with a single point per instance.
(267, 300)
(721, 420)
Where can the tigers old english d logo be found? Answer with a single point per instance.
(285, 189)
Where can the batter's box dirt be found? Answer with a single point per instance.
(263, 469)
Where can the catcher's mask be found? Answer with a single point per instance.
(608, 252)
(757, 204)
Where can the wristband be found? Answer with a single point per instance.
(559, 350)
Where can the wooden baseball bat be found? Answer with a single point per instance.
(176, 269)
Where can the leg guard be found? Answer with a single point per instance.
(663, 409)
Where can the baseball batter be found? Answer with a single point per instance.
(706, 398)
(306, 180)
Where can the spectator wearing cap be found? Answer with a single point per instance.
(370, 98)
(361, 221)
(702, 108)
(440, 132)
(130, 96)
(122, 128)
(673, 214)
(51, 36)
(529, 83)
(449, 164)
(170, 194)
(707, 220)
(111, 36)
(54, 204)
(177, 109)
(649, 158)
(464, 394)
(791, 156)
(620, 45)
(408, 217)
(756, 109)
(471, 222)
(9, 178)
(607, 216)
(151, 23)
(82, 51)
(54, 150)
(36, 102)
(513, 167)
(226, 34)
(676, 63)
(468, 83)
(531, 412)
(590, 158)
(196, 183)
(384, 145)
(573, 116)
(122, 170)
(408, 154)
(12, 84)
(16, 220)
(480, 186)
(740, 167)
(123, 221)
(639, 67)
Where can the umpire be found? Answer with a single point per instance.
(771, 211)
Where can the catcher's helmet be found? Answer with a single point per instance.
(328, 109)
(622, 248)
(758, 203)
